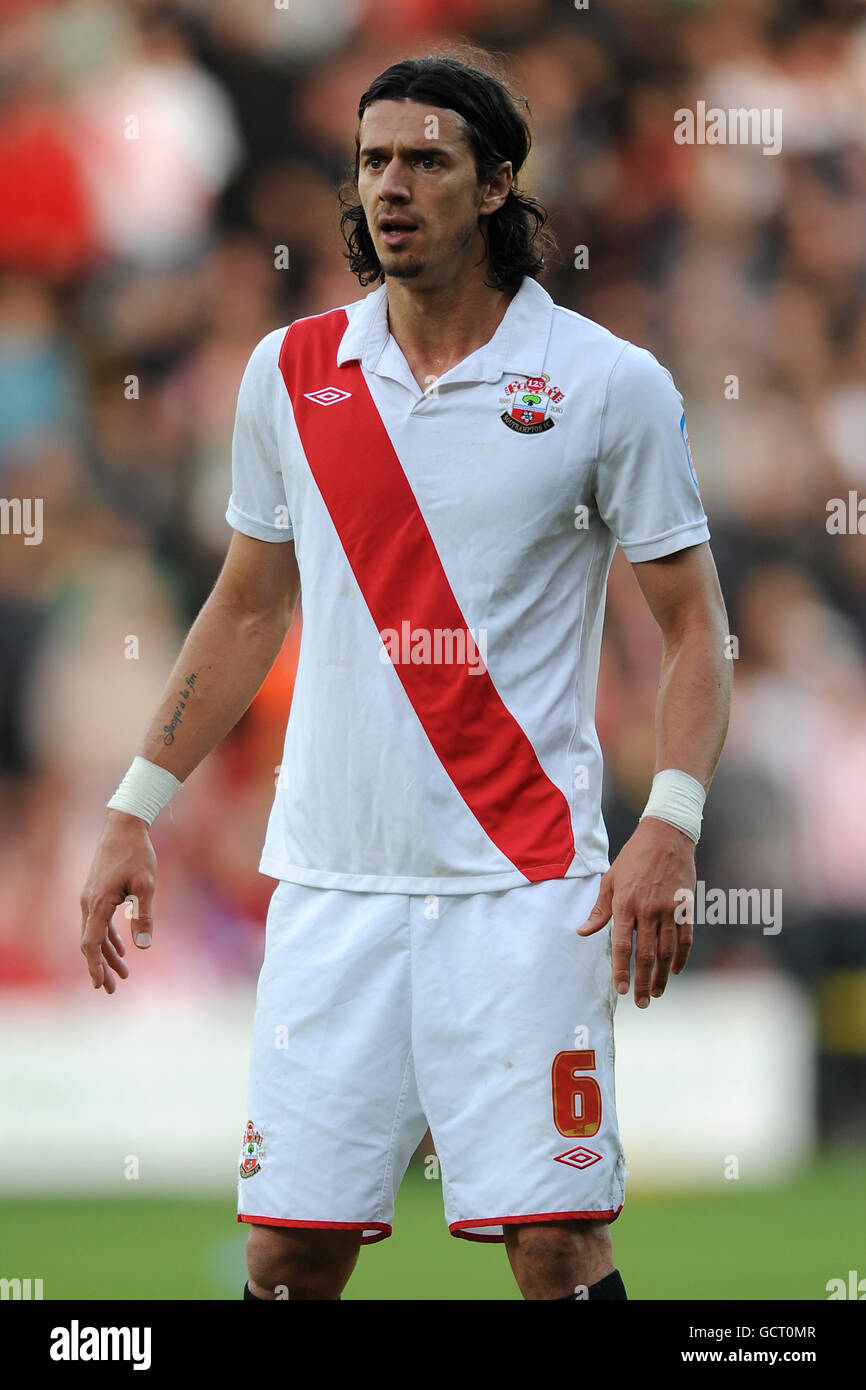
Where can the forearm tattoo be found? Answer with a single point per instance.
(184, 698)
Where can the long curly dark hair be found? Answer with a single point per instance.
(517, 237)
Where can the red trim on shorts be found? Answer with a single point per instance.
(382, 1230)
(485, 752)
(458, 1228)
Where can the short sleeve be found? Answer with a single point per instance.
(646, 488)
(257, 506)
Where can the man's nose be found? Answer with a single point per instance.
(393, 185)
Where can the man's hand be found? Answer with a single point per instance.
(124, 866)
(638, 892)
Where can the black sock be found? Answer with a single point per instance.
(611, 1286)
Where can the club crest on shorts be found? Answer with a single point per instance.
(532, 403)
(251, 1151)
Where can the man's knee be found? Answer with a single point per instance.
(550, 1259)
(552, 1239)
(296, 1262)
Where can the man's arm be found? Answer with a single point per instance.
(229, 650)
(226, 656)
(683, 594)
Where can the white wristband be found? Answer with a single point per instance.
(144, 791)
(679, 799)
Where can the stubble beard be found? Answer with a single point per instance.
(409, 267)
(403, 267)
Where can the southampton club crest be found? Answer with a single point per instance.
(251, 1151)
(532, 403)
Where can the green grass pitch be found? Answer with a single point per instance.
(783, 1242)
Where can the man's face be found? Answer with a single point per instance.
(420, 192)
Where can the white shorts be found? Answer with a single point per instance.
(482, 1014)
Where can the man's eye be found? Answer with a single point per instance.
(429, 160)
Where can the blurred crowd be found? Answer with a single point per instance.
(155, 157)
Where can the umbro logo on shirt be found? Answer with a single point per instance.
(327, 395)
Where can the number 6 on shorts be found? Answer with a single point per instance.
(576, 1121)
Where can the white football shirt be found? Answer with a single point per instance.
(453, 547)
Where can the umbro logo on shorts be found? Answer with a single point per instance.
(327, 395)
(579, 1157)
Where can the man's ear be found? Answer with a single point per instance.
(496, 189)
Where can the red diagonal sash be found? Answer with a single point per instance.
(392, 556)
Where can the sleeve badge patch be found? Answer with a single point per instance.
(685, 434)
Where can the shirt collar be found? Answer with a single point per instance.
(518, 345)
